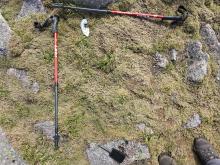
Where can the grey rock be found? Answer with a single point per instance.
(198, 63)
(31, 7)
(35, 87)
(135, 152)
(22, 75)
(218, 76)
(93, 3)
(5, 34)
(210, 38)
(46, 128)
(143, 128)
(162, 61)
(173, 54)
(8, 155)
(193, 122)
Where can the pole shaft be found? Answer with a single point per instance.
(56, 137)
(135, 14)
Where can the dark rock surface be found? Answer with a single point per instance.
(135, 151)
(8, 156)
(30, 7)
(198, 63)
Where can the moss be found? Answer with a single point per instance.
(107, 64)
(192, 26)
(16, 46)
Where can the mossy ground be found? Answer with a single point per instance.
(108, 84)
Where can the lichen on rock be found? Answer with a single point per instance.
(197, 63)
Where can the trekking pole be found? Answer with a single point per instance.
(55, 20)
(180, 18)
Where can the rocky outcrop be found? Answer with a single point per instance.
(210, 38)
(5, 34)
(31, 7)
(23, 77)
(134, 151)
(8, 155)
(93, 3)
(193, 122)
(198, 62)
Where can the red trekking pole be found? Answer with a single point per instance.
(55, 20)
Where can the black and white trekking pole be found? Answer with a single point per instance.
(55, 20)
(179, 18)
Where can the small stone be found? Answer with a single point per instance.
(31, 7)
(198, 63)
(8, 155)
(46, 128)
(173, 54)
(135, 152)
(143, 128)
(218, 76)
(210, 38)
(193, 122)
(35, 87)
(162, 62)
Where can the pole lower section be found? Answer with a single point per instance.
(56, 136)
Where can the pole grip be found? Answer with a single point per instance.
(55, 21)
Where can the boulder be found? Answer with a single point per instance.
(198, 63)
(22, 76)
(136, 152)
(8, 156)
(5, 34)
(210, 38)
(93, 3)
(193, 122)
(31, 7)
